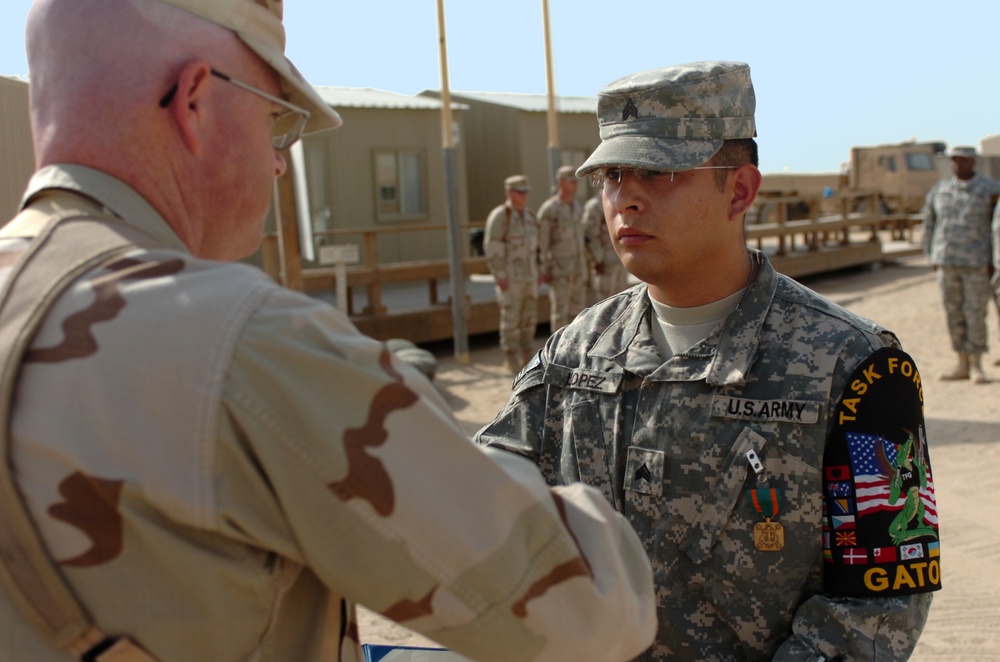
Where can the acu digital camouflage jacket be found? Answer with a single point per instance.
(667, 443)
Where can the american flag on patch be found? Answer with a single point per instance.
(868, 455)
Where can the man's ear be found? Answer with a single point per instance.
(746, 185)
(189, 106)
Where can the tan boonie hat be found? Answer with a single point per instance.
(566, 172)
(517, 183)
(258, 25)
(673, 118)
(965, 152)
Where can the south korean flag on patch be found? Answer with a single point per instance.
(880, 516)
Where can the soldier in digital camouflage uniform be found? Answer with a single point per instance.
(957, 241)
(221, 467)
(766, 444)
(608, 274)
(561, 249)
(511, 246)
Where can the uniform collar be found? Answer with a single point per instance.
(725, 357)
(108, 194)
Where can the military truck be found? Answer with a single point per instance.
(897, 175)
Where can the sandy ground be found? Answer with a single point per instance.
(963, 426)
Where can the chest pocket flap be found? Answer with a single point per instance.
(721, 497)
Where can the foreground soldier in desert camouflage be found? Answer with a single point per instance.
(767, 445)
(220, 468)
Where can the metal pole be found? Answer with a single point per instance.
(456, 247)
(555, 157)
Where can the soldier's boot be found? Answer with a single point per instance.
(976, 369)
(512, 362)
(961, 371)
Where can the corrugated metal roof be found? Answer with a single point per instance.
(535, 103)
(367, 97)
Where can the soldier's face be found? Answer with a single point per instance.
(963, 166)
(567, 187)
(518, 199)
(667, 231)
(248, 161)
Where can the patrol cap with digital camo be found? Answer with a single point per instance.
(517, 183)
(965, 152)
(672, 118)
(258, 25)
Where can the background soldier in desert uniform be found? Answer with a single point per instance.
(607, 276)
(220, 467)
(766, 444)
(561, 249)
(511, 246)
(957, 240)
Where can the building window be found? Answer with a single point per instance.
(919, 161)
(400, 185)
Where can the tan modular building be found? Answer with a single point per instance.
(383, 169)
(507, 134)
(18, 155)
(989, 157)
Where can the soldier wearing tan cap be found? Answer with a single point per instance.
(561, 249)
(767, 445)
(511, 246)
(219, 468)
(957, 240)
(607, 275)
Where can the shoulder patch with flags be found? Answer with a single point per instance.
(880, 526)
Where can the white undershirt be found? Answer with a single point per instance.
(677, 329)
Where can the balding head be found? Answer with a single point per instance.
(204, 157)
(97, 64)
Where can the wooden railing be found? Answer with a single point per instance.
(833, 232)
(372, 274)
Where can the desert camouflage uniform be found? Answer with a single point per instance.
(511, 246)
(563, 258)
(612, 278)
(222, 467)
(598, 404)
(957, 241)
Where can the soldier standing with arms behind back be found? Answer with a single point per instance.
(561, 249)
(956, 240)
(172, 432)
(767, 445)
(511, 246)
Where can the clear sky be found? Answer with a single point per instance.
(828, 75)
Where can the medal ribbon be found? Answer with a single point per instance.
(765, 500)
